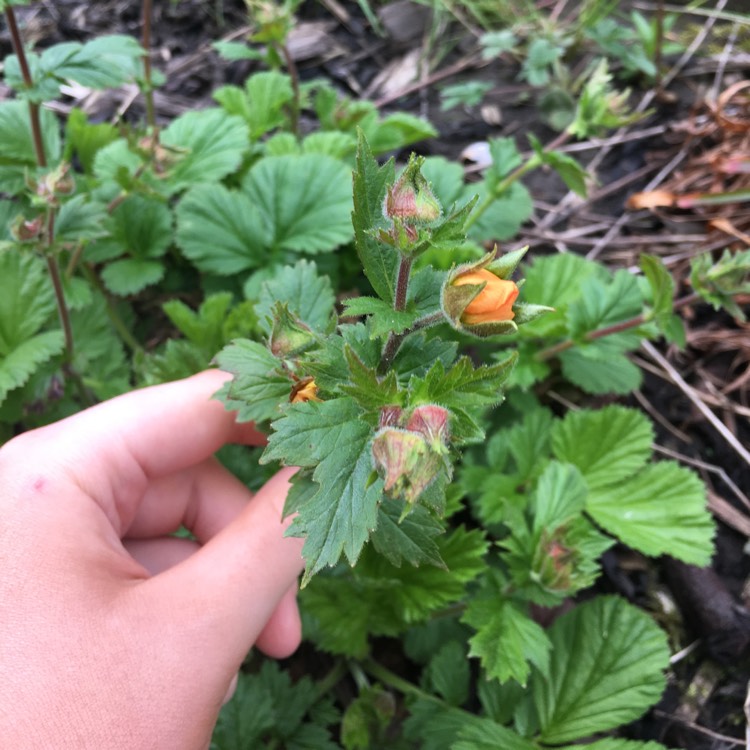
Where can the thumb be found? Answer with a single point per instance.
(220, 599)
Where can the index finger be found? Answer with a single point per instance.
(145, 434)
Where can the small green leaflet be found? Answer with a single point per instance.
(507, 639)
(370, 391)
(408, 540)
(379, 261)
(340, 517)
(485, 734)
(560, 496)
(571, 172)
(662, 289)
(383, 318)
(606, 669)
(600, 368)
(448, 673)
(257, 390)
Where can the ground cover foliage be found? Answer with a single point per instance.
(474, 471)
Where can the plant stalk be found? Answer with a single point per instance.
(399, 304)
(291, 68)
(147, 78)
(23, 64)
(625, 325)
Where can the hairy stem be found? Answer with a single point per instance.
(625, 325)
(147, 78)
(23, 64)
(291, 68)
(399, 303)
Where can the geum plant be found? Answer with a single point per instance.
(374, 405)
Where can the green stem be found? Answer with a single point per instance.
(384, 675)
(130, 341)
(147, 78)
(499, 189)
(625, 325)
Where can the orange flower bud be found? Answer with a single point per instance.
(305, 390)
(494, 303)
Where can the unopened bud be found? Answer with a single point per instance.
(289, 335)
(410, 198)
(406, 462)
(430, 421)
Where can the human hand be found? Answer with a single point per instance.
(112, 633)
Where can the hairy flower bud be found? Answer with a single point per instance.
(289, 335)
(430, 421)
(406, 461)
(410, 198)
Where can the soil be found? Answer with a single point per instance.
(674, 147)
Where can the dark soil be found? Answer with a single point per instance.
(702, 708)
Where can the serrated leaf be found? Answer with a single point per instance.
(661, 510)
(80, 219)
(528, 443)
(559, 496)
(257, 391)
(203, 327)
(306, 201)
(379, 261)
(616, 743)
(236, 51)
(448, 673)
(369, 390)
(418, 353)
(16, 143)
(84, 139)
(507, 639)
(20, 363)
(340, 518)
(139, 227)
(572, 173)
(339, 145)
(662, 289)
(485, 734)
(221, 231)
(600, 368)
(131, 275)
(446, 179)
(209, 145)
(309, 295)
(607, 445)
(505, 158)
(606, 669)
(261, 103)
(383, 318)
(602, 304)
(27, 300)
(409, 539)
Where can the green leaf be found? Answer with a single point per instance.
(383, 318)
(528, 443)
(485, 734)
(662, 289)
(209, 145)
(131, 275)
(606, 669)
(27, 300)
(16, 143)
(305, 200)
(80, 219)
(203, 327)
(446, 179)
(379, 261)
(607, 445)
(221, 231)
(615, 743)
(410, 539)
(505, 158)
(236, 51)
(418, 353)
(560, 496)
(262, 103)
(257, 391)
(572, 173)
(507, 639)
(541, 55)
(599, 368)
(18, 365)
(339, 145)
(84, 139)
(661, 510)
(139, 227)
(309, 295)
(396, 131)
(369, 390)
(502, 220)
(448, 673)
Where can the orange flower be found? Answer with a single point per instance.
(494, 303)
(305, 390)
